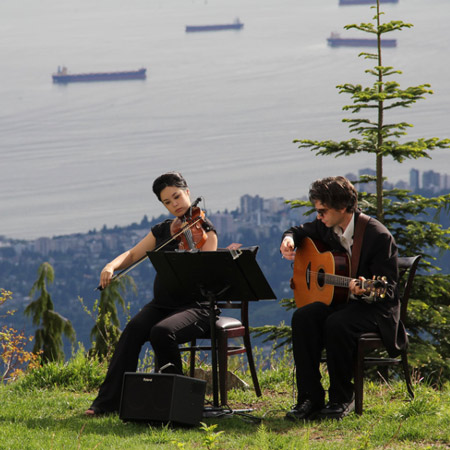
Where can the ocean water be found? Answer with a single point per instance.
(223, 108)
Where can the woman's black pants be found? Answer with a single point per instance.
(165, 328)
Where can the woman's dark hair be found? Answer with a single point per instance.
(168, 179)
(335, 192)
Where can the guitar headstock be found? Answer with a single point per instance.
(377, 286)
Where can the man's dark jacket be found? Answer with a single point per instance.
(378, 257)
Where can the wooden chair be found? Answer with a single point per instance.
(228, 328)
(371, 341)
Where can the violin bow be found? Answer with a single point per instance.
(119, 275)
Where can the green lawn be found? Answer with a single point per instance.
(52, 418)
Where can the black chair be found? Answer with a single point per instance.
(228, 328)
(372, 341)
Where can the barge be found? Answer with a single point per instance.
(336, 41)
(236, 25)
(62, 76)
(364, 2)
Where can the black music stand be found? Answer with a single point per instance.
(231, 274)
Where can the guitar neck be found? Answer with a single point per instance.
(341, 281)
(336, 280)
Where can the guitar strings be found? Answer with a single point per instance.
(340, 280)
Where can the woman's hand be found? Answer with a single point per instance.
(127, 258)
(287, 248)
(106, 275)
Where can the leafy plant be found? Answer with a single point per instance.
(80, 373)
(211, 437)
(14, 357)
(48, 338)
(106, 332)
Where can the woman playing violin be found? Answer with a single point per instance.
(165, 322)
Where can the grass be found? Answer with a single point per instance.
(45, 411)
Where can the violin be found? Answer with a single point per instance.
(188, 229)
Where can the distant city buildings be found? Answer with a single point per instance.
(256, 215)
(435, 181)
(223, 222)
(414, 180)
(432, 182)
(250, 204)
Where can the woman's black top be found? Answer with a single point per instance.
(161, 296)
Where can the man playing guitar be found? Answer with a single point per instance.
(336, 326)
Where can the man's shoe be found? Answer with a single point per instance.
(304, 410)
(337, 410)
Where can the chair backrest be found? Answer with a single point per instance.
(407, 267)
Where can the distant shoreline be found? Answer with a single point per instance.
(431, 191)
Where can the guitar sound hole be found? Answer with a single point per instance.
(321, 278)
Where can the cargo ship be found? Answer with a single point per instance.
(364, 2)
(336, 41)
(62, 76)
(236, 25)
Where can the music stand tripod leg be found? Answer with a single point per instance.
(216, 410)
(212, 318)
(212, 299)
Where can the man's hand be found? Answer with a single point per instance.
(287, 248)
(355, 287)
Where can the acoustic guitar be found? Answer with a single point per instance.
(322, 275)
